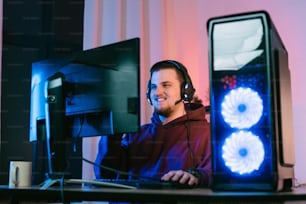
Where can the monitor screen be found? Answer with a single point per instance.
(91, 93)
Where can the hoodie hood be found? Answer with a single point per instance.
(194, 112)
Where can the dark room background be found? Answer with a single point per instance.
(33, 30)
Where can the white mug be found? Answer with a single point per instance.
(20, 174)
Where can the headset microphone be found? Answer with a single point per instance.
(178, 101)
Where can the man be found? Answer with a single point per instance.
(175, 146)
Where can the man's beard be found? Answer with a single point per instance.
(163, 112)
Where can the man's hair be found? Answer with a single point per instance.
(168, 65)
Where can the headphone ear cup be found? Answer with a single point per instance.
(149, 92)
(184, 92)
(187, 90)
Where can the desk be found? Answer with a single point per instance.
(75, 194)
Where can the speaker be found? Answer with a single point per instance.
(251, 113)
(187, 89)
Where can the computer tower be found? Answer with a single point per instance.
(251, 113)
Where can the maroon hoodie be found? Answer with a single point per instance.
(181, 144)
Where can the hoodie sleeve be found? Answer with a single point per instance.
(204, 168)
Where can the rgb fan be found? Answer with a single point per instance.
(242, 108)
(243, 152)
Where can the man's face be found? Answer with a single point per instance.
(165, 91)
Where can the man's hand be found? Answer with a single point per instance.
(181, 177)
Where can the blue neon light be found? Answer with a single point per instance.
(243, 152)
(242, 108)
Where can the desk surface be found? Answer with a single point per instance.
(131, 195)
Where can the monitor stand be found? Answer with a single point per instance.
(55, 109)
(54, 178)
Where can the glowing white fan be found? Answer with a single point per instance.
(242, 108)
(243, 152)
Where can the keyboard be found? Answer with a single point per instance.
(140, 184)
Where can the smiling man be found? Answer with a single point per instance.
(165, 94)
(175, 146)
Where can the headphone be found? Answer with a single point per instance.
(187, 89)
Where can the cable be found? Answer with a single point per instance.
(298, 184)
(62, 180)
(187, 124)
(78, 134)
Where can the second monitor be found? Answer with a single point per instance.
(94, 92)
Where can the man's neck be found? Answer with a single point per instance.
(176, 114)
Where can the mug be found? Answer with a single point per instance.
(20, 174)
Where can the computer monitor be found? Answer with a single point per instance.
(91, 93)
